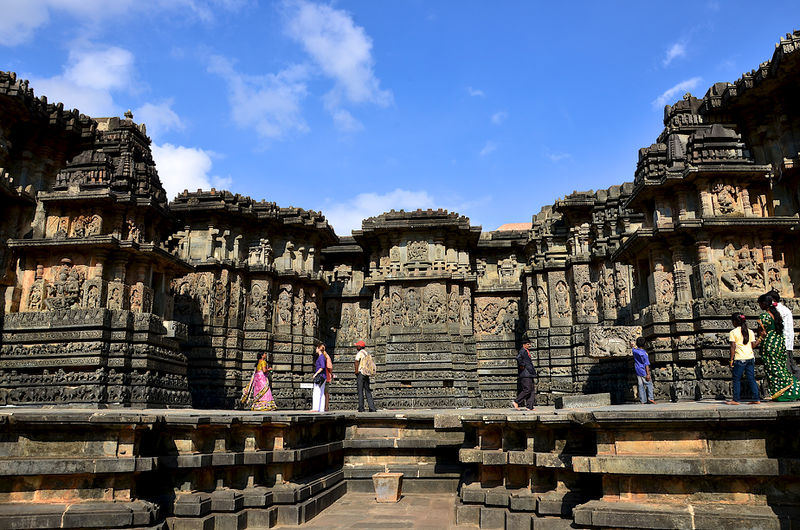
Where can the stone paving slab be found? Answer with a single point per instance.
(361, 510)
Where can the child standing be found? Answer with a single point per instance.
(742, 340)
(641, 364)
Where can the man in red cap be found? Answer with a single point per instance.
(365, 368)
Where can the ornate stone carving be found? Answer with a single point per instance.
(311, 314)
(453, 305)
(418, 251)
(562, 299)
(397, 309)
(133, 230)
(587, 300)
(260, 254)
(64, 292)
(284, 306)
(220, 299)
(93, 294)
(116, 295)
(94, 226)
(610, 301)
(541, 302)
(411, 309)
(726, 198)
(740, 269)
(141, 298)
(611, 341)
(465, 313)
(434, 306)
(298, 307)
(665, 288)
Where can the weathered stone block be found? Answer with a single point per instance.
(582, 401)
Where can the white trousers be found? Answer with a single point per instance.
(318, 398)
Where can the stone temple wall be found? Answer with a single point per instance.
(113, 296)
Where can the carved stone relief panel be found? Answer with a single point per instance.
(412, 314)
(560, 303)
(93, 293)
(311, 314)
(465, 314)
(260, 254)
(378, 310)
(709, 280)
(664, 287)
(608, 290)
(740, 267)
(64, 290)
(396, 304)
(622, 283)
(235, 298)
(220, 297)
(259, 309)
(116, 295)
(486, 312)
(284, 317)
(611, 341)
(298, 308)
(496, 315)
(140, 298)
(417, 251)
(434, 304)
(530, 299)
(453, 305)
(726, 198)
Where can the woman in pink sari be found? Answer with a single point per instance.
(257, 393)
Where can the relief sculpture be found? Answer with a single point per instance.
(562, 300)
(64, 292)
(740, 269)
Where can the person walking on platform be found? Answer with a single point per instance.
(365, 368)
(318, 395)
(526, 377)
(641, 365)
(788, 331)
(743, 340)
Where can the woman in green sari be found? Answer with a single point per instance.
(783, 386)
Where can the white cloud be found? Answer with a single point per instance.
(489, 148)
(269, 103)
(673, 52)
(159, 118)
(474, 92)
(346, 122)
(499, 117)
(347, 216)
(21, 18)
(90, 75)
(557, 156)
(185, 168)
(341, 49)
(669, 95)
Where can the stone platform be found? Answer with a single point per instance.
(684, 465)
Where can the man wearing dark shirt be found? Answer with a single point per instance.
(527, 373)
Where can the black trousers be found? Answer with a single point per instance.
(362, 381)
(527, 393)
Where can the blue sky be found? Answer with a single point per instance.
(491, 109)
